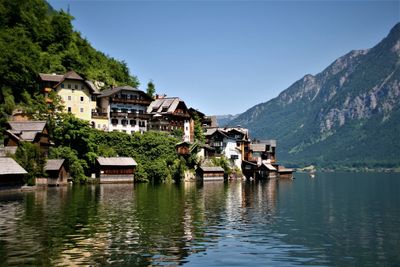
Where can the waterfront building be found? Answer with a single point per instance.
(229, 142)
(210, 173)
(115, 169)
(126, 109)
(35, 132)
(170, 114)
(11, 173)
(56, 173)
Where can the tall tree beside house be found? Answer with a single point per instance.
(29, 157)
(151, 89)
(198, 129)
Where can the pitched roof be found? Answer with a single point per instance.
(112, 91)
(258, 147)
(116, 161)
(269, 166)
(53, 164)
(7, 149)
(164, 105)
(10, 166)
(20, 126)
(51, 77)
(212, 169)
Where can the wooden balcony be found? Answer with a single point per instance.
(143, 102)
(130, 115)
(99, 115)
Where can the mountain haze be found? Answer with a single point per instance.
(347, 115)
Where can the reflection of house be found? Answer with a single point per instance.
(11, 173)
(56, 173)
(126, 107)
(115, 169)
(230, 142)
(35, 132)
(169, 114)
(210, 173)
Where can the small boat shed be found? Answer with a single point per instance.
(56, 173)
(11, 173)
(211, 173)
(115, 169)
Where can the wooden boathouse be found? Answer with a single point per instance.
(210, 173)
(115, 169)
(11, 173)
(56, 173)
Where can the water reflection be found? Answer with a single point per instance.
(325, 221)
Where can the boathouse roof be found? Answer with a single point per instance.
(53, 164)
(116, 161)
(212, 169)
(10, 166)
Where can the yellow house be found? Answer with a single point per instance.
(79, 96)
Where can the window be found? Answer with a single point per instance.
(124, 122)
(81, 98)
(62, 85)
(76, 86)
(132, 122)
(133, 111)
(140, 111)
(82, 110)
(93, 98)
(114, 121)
(69, 109)
(69, 86)
(69, 98)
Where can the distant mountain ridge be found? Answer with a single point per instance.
(347, 115)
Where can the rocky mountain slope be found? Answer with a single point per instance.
(347, 115)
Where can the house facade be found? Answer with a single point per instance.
(35, 132)
(229, 142)
(169, 114)
(115, 169)
(78, 95)
(125, 108)
(56, 173)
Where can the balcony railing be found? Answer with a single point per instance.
(99, 115)
(130, 115)
(130, 100)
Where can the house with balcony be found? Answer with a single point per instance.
(125, 108)
(78, 95)
(169, 114)
(229, 142)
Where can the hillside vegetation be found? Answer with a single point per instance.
(35, 38)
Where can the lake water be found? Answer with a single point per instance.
(332, 220)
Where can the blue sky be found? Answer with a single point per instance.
(223, 57)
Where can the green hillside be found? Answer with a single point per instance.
(346, 116)
(35, 38)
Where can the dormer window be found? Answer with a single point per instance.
(69, 86)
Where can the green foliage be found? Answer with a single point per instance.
(151, 89)
(177, 133)
(198, 129)
(29, 157)
(34, 38)
(76, 166)
(222, 162)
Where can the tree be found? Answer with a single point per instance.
(151, 90)
(29, 157)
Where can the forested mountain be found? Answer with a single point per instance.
(347, 115)
(35, 38)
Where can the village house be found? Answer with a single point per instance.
(115, 169)
(11, 173)
(229, 142)
(35, 132)
(206, 121)
(56, 173)
(169, 114)
(210, 173)
(126, 108)
(79, 96)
